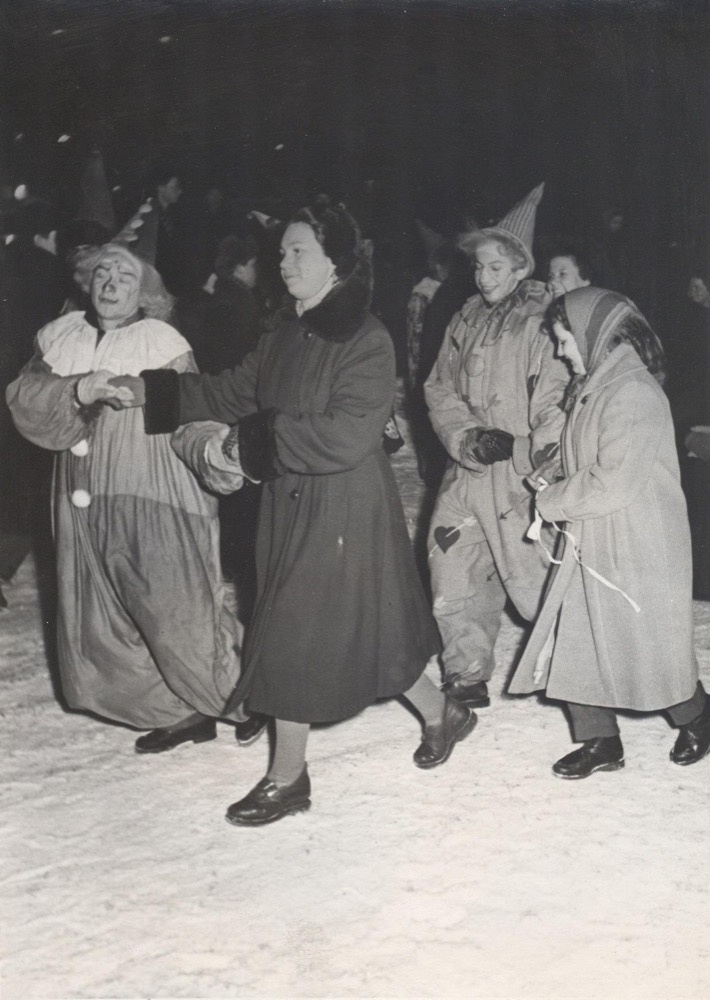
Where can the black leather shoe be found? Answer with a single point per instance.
(473, 695)
(693, 740)
(605, 753)
(439, 740)
(250, 730)
(159, 740)
(267, 802)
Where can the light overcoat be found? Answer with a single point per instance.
(626, 517)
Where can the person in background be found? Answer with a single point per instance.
(566, 271)
(616, 627)
(458, 286)
(35, 287)
(172, 257)
(439, 260)
(692, 414)
(147, 635)
(341, 618)
(223, 327)
(494, 399)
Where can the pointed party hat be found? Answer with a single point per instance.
(429, 237)
(140, 233)
(95, 203)
(517, 227)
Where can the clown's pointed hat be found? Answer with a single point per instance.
(95, 204)
(140, 233)
(517, 227)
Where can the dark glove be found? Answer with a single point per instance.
(136, 385)
(487, 445)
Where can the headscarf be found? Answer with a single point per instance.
(595, 316)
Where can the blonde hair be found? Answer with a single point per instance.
(154, 300)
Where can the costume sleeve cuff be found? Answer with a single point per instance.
(521, 456)
(258, 456)
(162, 401)
(548, 504)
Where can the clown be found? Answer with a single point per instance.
(146, 629)
(493, 398)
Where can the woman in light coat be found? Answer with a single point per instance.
(616, 628)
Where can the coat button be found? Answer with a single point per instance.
(81, 498)
(294, 494)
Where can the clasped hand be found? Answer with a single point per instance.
(487, 445)
(99, 387)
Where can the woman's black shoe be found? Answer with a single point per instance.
(693, 740)
(605, 753)
(439, 740)
(159, 740)
(267, 802)
(250, 730)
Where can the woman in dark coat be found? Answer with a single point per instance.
(616, 627)
(340, 618)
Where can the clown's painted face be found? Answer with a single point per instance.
(115, 287)
(305, 267)
(496, 273)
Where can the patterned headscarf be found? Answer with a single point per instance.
(598, 320)
(594, 314)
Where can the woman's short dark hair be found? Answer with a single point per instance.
(634, 330)
(336, 231)
(579, 258)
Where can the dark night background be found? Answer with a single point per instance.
(452, 108)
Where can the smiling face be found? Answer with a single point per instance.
(495, 272)
(568, 348)
(305, 268)
(115, 288)
(564, 276)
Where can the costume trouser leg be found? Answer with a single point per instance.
(590, 722)
(468, 595)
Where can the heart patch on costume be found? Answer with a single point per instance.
(446, 537)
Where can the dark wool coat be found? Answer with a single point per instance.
(621, 500)
(341, 618)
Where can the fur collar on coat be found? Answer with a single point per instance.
(342, 312)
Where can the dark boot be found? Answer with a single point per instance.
(474, 695)
(439, 740)
(267, 802)
(159, 740)
(605, 753)
(693, 740)
(250, 730)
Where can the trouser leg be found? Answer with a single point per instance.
(590, 722)
(688, 711)
(468, 596)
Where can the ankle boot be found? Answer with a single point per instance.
(605, 753)
(439, 740)
(693, 740)
(267, 802)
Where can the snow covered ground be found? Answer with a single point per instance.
(483, 878)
